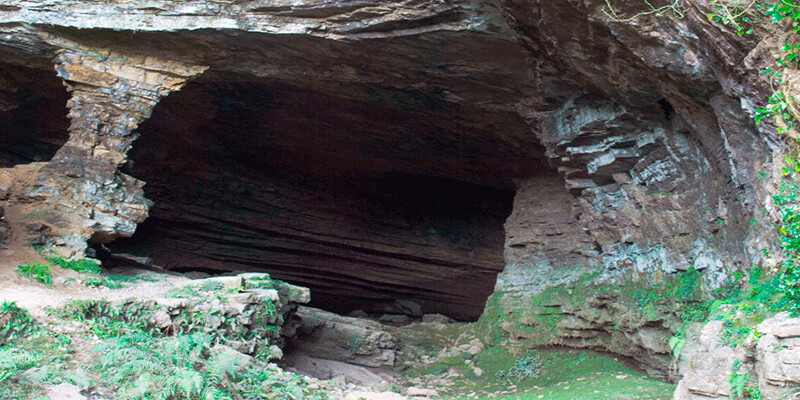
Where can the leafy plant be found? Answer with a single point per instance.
(106, 321)
(83, 265)
(33, 360)
(36, 271)
(13, 361)
(735, 14)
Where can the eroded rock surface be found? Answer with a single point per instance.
(766, 365)
(326, 335)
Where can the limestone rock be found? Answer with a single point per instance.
(65, 391)
(772, 364)
(373, 396)
(357, 341)
(421, 392)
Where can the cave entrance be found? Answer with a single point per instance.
(376, 199)
(33, 114)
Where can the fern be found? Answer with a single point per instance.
(185, 367)
(14, 358)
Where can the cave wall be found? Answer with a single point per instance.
(668, 173)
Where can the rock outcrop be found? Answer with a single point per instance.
(250, 312)
(326, 335)
(763, 366)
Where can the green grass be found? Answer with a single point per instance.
(188, 367)
(597, 386)
(554, 373)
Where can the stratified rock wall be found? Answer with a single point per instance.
(668, 171)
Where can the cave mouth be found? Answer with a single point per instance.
(379, 203)
(33, 114)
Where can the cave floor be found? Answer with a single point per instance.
(451, 359)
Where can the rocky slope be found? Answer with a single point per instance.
(370, 150)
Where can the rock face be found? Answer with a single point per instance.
(371, 151)
(325, 335)
(767, 366)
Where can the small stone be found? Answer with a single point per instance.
(5, 182)
(65, 391)
(622, 376)
(275, 352)
(477, 371)
(409, 308)
(161, 319)
(241, 358)
(621, 178)
(787, 329)
(421, 392)
(373, 396)
(474, 350)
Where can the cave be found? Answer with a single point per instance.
(33, 114)
(553, 170)
(401, 196)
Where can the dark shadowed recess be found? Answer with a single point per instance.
(367, 197)
(33, 114)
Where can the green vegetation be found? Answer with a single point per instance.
(36, 271)
(29, 355)
(133, 359)
(15, 322)
(189, 367)
(84, 265)
(106, 321)
(558, 374)
(526, 367)
(98, 282)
